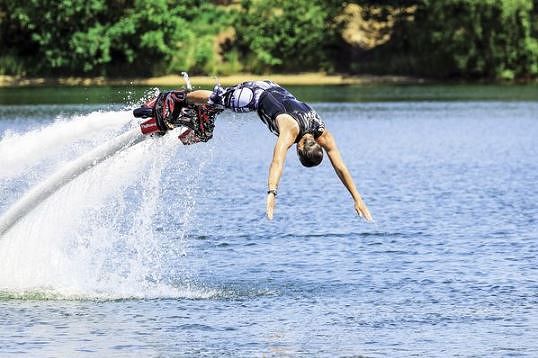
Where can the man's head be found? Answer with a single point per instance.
(309, 151)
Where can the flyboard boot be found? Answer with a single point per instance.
(170, 110)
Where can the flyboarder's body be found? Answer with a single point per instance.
(292, 121)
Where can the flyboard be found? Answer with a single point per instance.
(165, 112)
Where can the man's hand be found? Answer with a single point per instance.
(270, 207)
(363, 211)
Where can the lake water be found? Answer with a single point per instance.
(164, 249)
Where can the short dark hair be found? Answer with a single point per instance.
(311, 154)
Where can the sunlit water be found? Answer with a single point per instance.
(164, 249)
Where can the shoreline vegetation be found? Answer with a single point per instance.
(76, 41)
(300, 79)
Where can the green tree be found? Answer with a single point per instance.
(475, 38)
(110, 37)
(284, 35)
(41, 32)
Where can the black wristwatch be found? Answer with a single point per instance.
(272, 191)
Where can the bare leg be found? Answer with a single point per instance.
(198, 96)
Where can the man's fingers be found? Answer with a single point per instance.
(269, 212)
(367, 216)
(364, 214)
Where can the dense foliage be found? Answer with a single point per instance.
(109, 36)
(495, 39)
(285, 35)
(487, 38)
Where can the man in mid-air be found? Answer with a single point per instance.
(292, 121)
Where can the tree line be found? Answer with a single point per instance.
(475, 39)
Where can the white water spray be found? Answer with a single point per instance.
(95, 237)
(20, 152)
(69, 172)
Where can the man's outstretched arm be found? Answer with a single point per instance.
(286, 138)
(326, 140)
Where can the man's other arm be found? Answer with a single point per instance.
(326, 140)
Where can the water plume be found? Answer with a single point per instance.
(98, 237)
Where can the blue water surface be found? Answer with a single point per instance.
(449, 268)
